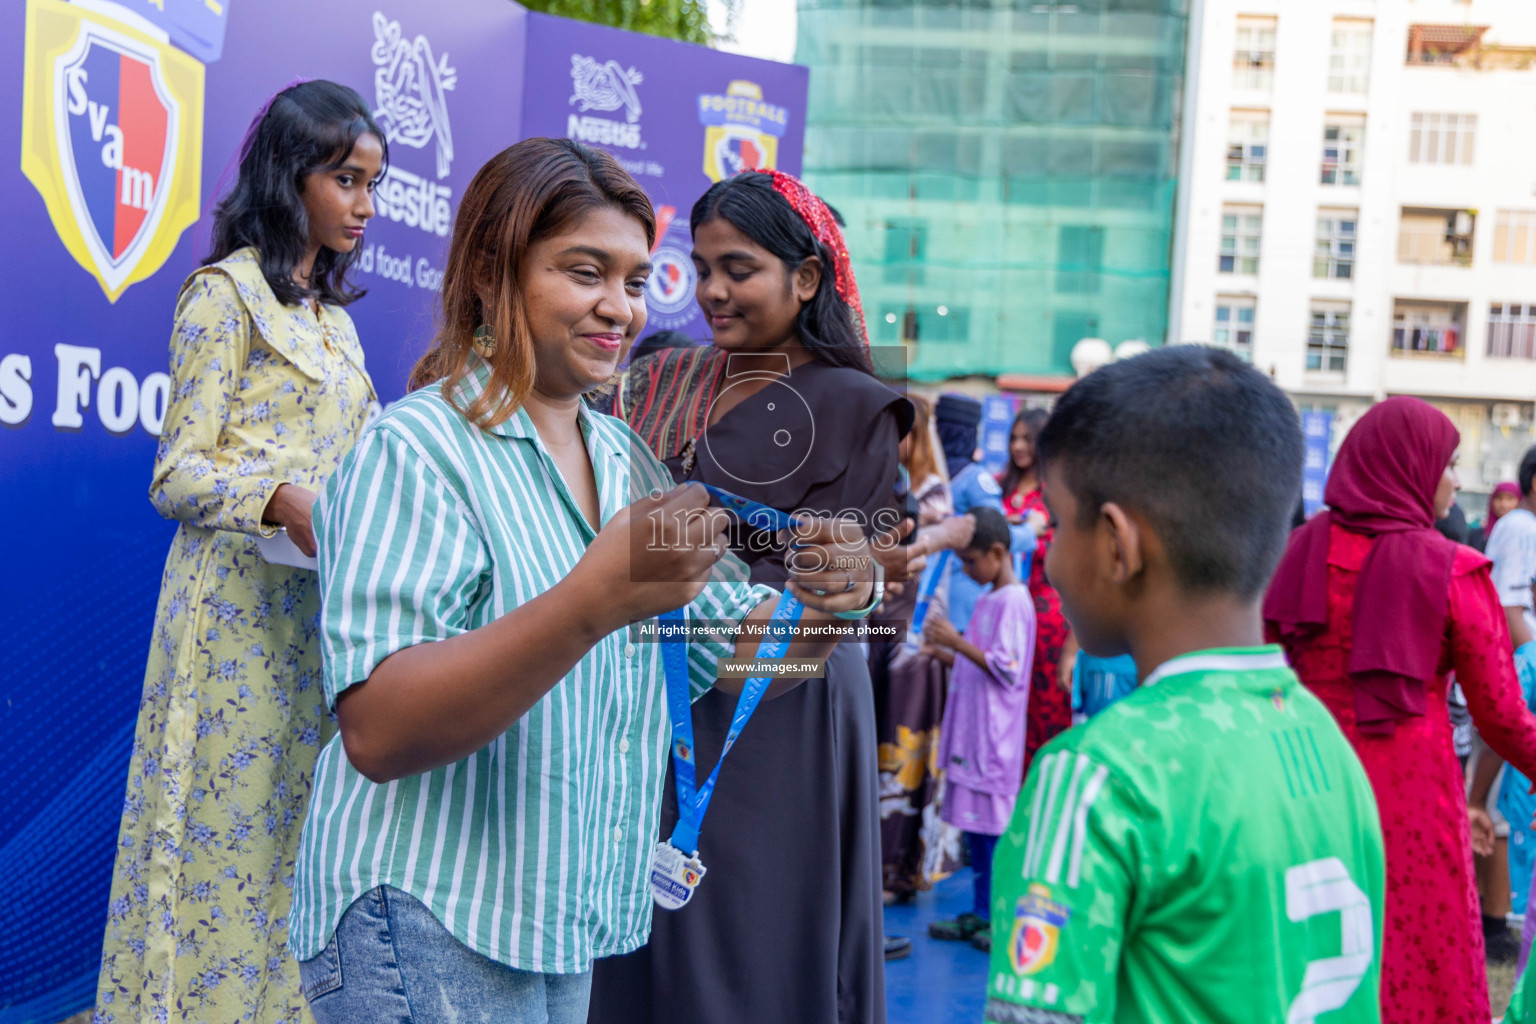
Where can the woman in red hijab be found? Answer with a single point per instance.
(1501, 502)
(1375, 609)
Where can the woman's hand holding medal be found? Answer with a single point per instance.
(831, 564)
(655, 554)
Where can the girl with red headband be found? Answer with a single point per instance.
(784, 409)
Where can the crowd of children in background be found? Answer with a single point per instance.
(984, 682)
(986, 650)
(987, 675)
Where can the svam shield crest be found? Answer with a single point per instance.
(110, 140)
(731, 149)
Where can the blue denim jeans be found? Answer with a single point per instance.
(391, 961)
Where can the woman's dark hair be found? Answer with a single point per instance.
(525, 193)
(749, 203)
(1033, 420)
(307, 128)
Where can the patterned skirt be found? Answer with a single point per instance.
(230, 725)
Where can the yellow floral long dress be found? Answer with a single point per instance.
(232, 716)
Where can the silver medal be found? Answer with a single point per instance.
(674, 877)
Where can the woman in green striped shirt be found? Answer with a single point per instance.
(482, 828)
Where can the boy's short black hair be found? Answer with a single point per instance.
(1527, 471)
(1198, 442)
(991, 528)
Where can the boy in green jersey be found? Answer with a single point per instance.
(1207, 849)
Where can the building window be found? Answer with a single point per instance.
(1328, 339)
(1436, 237)
(906, 245)
(1253, 58)
(1442, 138)
(1234, 325)
(1512, 330)
(1514, 237)
(1349, 56)
(1079, 257)
(1241, 229)
(1429, 328)
(1067, 329)
(1334, 252)
(943, 324)
(1343, 145)
(1247, 146)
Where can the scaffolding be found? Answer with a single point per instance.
(1007, 170)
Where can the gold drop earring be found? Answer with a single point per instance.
(484, 341)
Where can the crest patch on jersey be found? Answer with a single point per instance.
(1037, 924)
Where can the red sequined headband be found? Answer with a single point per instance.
(818, 217)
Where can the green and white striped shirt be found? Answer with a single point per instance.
(535, 850)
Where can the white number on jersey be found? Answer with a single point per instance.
(1322, 887)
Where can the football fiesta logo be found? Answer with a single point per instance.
(112, 138)
(741, 132)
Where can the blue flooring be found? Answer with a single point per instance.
(941, 982)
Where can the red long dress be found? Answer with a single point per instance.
(1050, 706)
(1432, 966)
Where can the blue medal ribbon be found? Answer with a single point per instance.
(692, 799)
(933, 572)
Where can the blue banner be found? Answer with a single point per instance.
(1317, 430)
(997, 412)
(121, 127)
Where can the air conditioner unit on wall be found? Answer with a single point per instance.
(1506, 414)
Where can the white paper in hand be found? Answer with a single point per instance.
(281, 550)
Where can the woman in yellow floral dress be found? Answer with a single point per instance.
(268, 393)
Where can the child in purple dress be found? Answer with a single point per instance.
(981, 744)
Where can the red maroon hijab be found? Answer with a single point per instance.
(1382, 485)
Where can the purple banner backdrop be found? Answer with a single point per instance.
(121, 127)
(678, 117)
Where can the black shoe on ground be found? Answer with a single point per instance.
(897, 947)
(960, 929)
(982, 940)
(1503, 947)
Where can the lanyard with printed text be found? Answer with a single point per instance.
(676, 870)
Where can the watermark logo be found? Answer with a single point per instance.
(604, 87)
(112, 122)
(787, 423)
(410, 89)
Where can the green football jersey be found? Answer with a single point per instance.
(1205, 850)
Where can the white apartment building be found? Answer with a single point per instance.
(1357, 208)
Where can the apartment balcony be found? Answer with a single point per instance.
(1463, 46)
(1436, 238)
(1429, 330)
(1444, 44)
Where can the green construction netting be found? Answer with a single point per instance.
(1007, 170)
